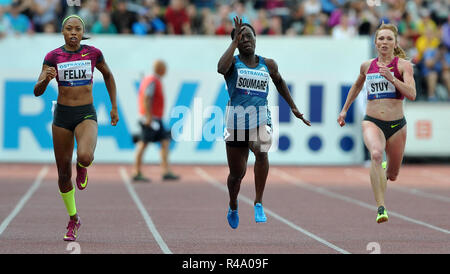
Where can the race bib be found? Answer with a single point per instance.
(378, 87)
(252, 82)
(75, 73)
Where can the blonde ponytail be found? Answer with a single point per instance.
(398, 51)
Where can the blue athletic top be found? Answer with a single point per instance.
(248, 89)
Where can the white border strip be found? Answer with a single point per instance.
(37, 182)
(144, 213)
(217, 184)
(295, 181)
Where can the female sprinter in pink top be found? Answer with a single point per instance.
(74, 116)
(389, 78)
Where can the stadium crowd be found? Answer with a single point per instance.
(424, 25)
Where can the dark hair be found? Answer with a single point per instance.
(244, 24)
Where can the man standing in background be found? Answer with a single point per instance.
(151, 109)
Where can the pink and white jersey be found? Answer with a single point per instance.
(74, 68)
(377, 86)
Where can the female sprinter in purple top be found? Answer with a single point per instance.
(389, 78)
(74, 115)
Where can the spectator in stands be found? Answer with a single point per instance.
(407, 27)
(333, 19)
(221, 14)
(195, 19)
(313, 25)
(142, 26)
(104, 25)
(177, 18)
(296, 20)
(439, 10)
(154, 24)
(344, 29)
(49, 28)
(412, 7)
(436, 67)
(45, 11)
(158, 25)
(261, 22)
(208, 27)
(408, 45)
(19, 23)
(312, 7)
(426, 22)
(25, 7)
(275, 26)
(225, 27)
(328, 6)
(429, 40)
(367, 20)
(396, 9)
(90, 11)
(123, 18)
(239, 9)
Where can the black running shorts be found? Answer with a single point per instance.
(389, 128)
(69, 117)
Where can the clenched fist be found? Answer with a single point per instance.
(50, 73)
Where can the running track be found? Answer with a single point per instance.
(310, 210)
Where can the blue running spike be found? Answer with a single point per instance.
(233, 218)
(260, 217)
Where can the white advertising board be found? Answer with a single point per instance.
(319, 72)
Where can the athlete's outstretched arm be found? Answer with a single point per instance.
(111, 87)
(353, 92)
(47, 74)
(226, 61)
(283, 89)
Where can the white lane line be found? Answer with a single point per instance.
(269, 212)
(413, 191)
(143, 211)
(295, 181)
(37, 182)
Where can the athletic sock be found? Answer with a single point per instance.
(69, 201)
